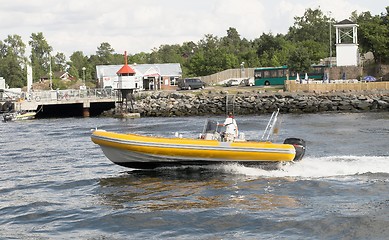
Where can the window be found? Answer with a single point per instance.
(173, 81)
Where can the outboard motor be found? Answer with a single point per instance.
(299, 145)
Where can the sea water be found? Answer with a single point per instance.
(56, 184)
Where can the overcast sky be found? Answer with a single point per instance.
(141, 25)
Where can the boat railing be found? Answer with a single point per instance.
(271, 128)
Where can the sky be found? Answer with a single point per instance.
(140, 26)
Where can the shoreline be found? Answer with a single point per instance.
(251, 102)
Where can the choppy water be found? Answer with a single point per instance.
(56, 184)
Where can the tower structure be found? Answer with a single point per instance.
(346, 43)
(127, 83)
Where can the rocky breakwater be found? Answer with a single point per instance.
(165, 104)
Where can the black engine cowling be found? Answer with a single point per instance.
(299, 145)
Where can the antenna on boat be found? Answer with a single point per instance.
(272, 127)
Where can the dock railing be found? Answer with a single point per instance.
(68, 94)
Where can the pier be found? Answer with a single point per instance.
(57, 103)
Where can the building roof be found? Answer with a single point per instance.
(60, 75)
(345, 22)
(125, 70)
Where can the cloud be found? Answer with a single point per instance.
(135, 26)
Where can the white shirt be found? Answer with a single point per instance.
(231, 126)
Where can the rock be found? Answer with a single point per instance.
(205, 103)
(363, 105)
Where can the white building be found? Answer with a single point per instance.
(346, 43)
(147, 76)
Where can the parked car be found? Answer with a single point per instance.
(249, 82)
(232, 82)
(190, 83)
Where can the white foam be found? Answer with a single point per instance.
(312, 167)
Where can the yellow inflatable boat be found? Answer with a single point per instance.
(147, 152)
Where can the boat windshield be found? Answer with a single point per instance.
(210, 126)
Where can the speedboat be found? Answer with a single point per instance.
(148, 152)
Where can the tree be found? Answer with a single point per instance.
(105, 53)
(59, 62)
(167, 54)
(373, 34)
(232, 41)
(187, 50)
(139, 58)
(313, 25)
(77, 62)
(209, 58)
(40, 55)
(12, 61)
(272, 50)
(299, 59)
(117, 59)
(73, 71)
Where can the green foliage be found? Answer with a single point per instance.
(40, 55)
(12, 61)
(59, 62)
(59, 84)
(313, 25)
(299, 60)
(166, 54)
(373, 34)
(11, 70)
(74, 72)
(105, 53)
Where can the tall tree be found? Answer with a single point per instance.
(272, 50)
(77, 62)
(59, 62)
(40, 55)
(105, 53)
(310, 34)
(209, 58)
(12, 61)
(313, 25)
(166, 54)
(300, 58)
(239, 50)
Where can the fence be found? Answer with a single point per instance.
(69, 94)
(335, 86)
(228, 74)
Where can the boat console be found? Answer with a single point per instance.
(211, 131)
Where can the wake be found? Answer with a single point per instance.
(319, 167)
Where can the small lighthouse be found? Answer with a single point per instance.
(127, 83)
(126, 75)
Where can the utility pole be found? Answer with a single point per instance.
(329, 21)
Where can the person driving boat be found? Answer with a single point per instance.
(231, 127)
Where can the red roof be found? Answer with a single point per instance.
(125, 69)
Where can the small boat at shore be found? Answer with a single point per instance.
(18, 116)
(148, 152)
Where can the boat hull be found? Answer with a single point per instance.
(16, 116)
(137, 151)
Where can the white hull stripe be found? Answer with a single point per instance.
(124, 156)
